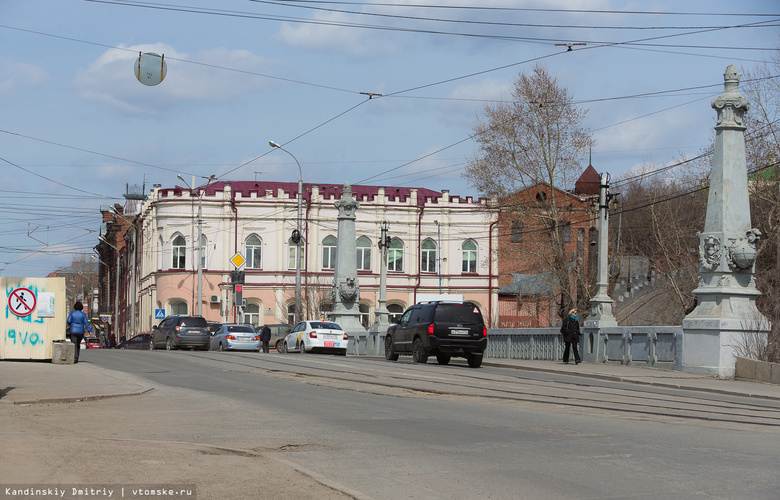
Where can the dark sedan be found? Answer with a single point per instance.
(140, 341)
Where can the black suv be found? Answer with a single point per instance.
(441, 329)
(174, 332)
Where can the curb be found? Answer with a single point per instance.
(77, 399)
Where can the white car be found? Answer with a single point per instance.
(316, 336)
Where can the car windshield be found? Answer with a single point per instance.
(240, 328)
(194, 322)
(324, 325)
(467, 314)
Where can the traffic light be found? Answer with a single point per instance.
(237, 296)
(236, 277)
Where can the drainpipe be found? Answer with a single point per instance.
(490, 270)
(419, 242)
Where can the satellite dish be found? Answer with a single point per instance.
(150, 68)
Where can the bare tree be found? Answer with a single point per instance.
(534, 144)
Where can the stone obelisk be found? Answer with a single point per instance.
(726, 310)
(345, 293)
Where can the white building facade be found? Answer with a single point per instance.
(439, 244)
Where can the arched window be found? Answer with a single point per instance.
(363, 247)
(469, 256)
(428, 256)
(395, 310)
(294, 251)
(204, 243)
(395, 256)
(329, 252)
(160, 247)
(179, 252)
(254, 252)
(252, 315)
(179, 307)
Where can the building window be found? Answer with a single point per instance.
(566, 230)
(204, 243)
(252, 315)
(293, 252)
(469, 256)
(363, 254)
(254, 252)
(428, 256)
(179, 307)
(395, 256)
(395, 310)
(329, 252)
(291, 314)
(517, 231)
(364, 309)
(179, 252)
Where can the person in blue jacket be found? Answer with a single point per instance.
(79, 324)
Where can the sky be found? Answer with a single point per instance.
(379, 93)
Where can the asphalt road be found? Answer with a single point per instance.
(369, 428)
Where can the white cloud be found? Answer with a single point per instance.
(15, 75)
(110, 79)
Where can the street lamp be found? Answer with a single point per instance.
(200, 237)
(296, 235)
(601, 304)
(116, 281)
(438, 251)
(381, 312)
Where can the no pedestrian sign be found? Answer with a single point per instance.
(22, 301)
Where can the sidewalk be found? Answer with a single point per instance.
(28, 382)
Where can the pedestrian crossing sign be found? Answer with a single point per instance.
(159, 314)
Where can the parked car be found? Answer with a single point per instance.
(278, 333)
(235, 338)
(316, 336)
(140, 341)
(441, 329)
(214, 326)
(176, 332)
(91, 343)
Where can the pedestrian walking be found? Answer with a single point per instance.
(265, 337)
(571, 336)
(79, 324)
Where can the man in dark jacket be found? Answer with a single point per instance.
(265, 337)
(571, 336)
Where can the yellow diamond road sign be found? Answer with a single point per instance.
(238, 260)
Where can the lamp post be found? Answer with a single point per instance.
(601, 304)
(381, 311)
(116, 281)
(438, 251)
(296, 235)
(200, 237)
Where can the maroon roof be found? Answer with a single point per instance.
(589, 182)
(327, 191)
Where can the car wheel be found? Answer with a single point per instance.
(443, 359)
(418, 352)
(168, 344)
(475, 360)
(280, 345)
(220, 347)
(302, 347)
(390, 353)
(151, 344)
(284, 347)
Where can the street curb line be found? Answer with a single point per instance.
(77, 399)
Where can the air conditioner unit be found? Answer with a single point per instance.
(215, 299)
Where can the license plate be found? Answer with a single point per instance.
(331, 337)
(330, 344)
(245, 339)
(459, 332)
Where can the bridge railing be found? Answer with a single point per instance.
(657, 346)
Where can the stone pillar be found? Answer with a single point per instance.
(345, 293)
(727, 292)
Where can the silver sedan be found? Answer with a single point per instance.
(235, 338)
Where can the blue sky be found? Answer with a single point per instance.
(76, 127)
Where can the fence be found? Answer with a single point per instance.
(657, 346)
